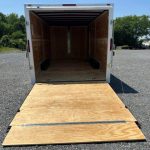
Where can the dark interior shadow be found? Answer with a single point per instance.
(120, 87)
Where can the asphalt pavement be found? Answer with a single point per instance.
(130, 79)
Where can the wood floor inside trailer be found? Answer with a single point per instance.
(71, 71)
(72, 113)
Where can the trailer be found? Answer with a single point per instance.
(70, 49)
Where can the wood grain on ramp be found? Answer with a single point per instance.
(34, 135)
(72, 113)
(44, 116)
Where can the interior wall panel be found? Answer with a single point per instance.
(79, 42)
(40, 41)
(58, 42)
(77, 48)
(102, 39)
(99, 39)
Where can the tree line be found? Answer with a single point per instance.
(12, 31)
(129, 30)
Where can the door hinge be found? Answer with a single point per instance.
(112, 21)
(109, 65)
(113, 53)
(27, 23)
(30, 67)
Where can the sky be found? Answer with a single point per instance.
(121, 7)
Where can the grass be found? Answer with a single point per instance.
(8, 49)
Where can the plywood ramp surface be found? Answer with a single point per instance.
(72, 95)
(58, 115)
(66, 102)
(72, 113)
(19, 135)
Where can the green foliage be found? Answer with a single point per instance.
(3, 29)
(18, 35)
(2, 17)
(128, 30)
(12, 31)
(12, 18)
(5, 40)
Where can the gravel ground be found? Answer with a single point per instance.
(131, 80)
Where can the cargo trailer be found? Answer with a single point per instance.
(69, 49)
(73, 42)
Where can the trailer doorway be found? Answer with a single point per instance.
(71, 46)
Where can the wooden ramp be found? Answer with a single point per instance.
(72, 113)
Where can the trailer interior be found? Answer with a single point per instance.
(69, 45)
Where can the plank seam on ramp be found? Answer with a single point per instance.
(73, 123)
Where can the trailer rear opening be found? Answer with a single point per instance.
(69, 45)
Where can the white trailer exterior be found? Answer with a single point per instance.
(68, 8)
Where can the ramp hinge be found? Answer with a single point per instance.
(8, 128)
(138, 124)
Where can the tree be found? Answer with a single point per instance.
(12, 18)
(17, 35)
(2, 17)
(18, 40)
(12, 31)
(128, 30)
(19, 25)
(22, 23)
(5, 41)
(3, 29)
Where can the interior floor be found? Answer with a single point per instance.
(70, 71)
